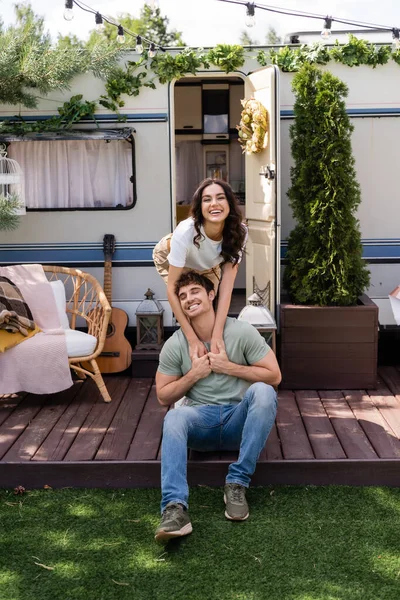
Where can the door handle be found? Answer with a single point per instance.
(268, 172)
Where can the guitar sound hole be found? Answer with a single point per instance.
(110, 330)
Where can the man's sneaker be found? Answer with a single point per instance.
(237, 508)
(175, 522)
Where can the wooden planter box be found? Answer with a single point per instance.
(329, 347)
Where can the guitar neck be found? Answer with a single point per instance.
(108, 280)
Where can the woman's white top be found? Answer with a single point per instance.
(184, 253)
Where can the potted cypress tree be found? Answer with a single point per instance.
(329, 332)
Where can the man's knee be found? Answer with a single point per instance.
(176, 420)
(263, 396)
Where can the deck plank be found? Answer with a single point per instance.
(381, 436)
(321, 434)
(388, 405)
(40, 426)
(61, 437)
(8, 402)
(146, 443)
(272, 449)
(91, 434)
(391, 378)
(293, 436)
(16, 423)
(121, 431)
(351, 436)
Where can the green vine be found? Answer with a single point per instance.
(360, 52)
(166, 67)
(70, 112)
(227, 58)
(354, 53)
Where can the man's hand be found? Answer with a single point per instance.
(200, 366)
(196, 348)
(219, 362)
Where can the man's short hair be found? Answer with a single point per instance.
(192, 277)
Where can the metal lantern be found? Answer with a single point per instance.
(149, 323)
(260, 317)
(11, 180)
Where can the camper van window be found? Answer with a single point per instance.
(77, 174)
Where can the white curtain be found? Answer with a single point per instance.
(75, 173)
(189, 170)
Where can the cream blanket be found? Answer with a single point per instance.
(39, 365)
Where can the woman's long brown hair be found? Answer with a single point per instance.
(234, 232)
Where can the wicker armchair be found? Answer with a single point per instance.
(85, 300)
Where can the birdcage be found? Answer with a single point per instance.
(11, 180)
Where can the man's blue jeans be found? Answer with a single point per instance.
(244, 426)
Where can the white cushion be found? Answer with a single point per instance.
(79, 343)
(61, 301)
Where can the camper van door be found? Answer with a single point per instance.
(263, 195)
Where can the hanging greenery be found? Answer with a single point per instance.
(324, 257)
(30, 65)
(9, 219)
(70, 112)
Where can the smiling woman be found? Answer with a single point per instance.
(211, 242)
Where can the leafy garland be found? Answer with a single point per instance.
(253, 127)
(166, 67)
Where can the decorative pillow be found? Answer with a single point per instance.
(61, 302)
(10, 339)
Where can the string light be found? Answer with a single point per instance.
(152, 50)
(120, 35)
(99, 22)
(68, 12)
(299, 13)
(139, 45)
(326, 30)
(121, 31)
(250, 20)
(396, 38)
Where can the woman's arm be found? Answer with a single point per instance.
(229, 272)
(194, 343)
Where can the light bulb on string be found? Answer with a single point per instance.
(139, 45)
(250, 20)
(121, 35)
(396, 39)
(152, 50)
(68, 12)
(99, 22)
(326, 30)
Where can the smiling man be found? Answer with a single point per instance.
(230, 404)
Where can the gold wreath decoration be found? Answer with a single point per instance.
(253, 127)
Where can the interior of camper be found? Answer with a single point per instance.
(207, 111)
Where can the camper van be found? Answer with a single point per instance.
(134, 179)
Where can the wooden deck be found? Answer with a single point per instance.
(74, 439)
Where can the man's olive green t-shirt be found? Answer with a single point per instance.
(244, 346)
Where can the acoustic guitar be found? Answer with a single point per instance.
(117, 351)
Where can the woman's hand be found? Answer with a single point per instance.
(196, 348)
(217, 343)
(200, 366)
(219, 362)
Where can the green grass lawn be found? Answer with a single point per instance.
(299, 543)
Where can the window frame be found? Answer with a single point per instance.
(107, 135)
